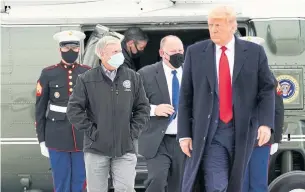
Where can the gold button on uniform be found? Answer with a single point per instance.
(70, 71)
(70, 83)
(70, 77)
(70, 89)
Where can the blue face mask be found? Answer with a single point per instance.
(116, 60)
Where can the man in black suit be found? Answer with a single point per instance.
(157, 142)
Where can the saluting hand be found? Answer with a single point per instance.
(264, 134)
(164, 110)
(186, 146)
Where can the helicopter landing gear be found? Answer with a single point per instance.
(26, 184)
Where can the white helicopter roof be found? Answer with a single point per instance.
(140, 11)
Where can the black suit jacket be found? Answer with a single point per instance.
(279, 116)
(277, 132)
(156, 89)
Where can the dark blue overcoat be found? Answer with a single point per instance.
(253, 105)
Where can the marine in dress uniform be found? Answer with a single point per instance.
(58, 139)
(256, 177)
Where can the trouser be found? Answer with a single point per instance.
(68, 170)
(165, 170)
(217, 158)
(256, 176)
(122, 170)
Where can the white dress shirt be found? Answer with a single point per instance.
(230, 52)
(172, 127)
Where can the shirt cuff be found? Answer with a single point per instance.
(152, 110)
(184, 138)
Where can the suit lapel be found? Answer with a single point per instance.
(209, 65)
(162, 83)
(239, 57)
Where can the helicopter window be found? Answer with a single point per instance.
(283, 37)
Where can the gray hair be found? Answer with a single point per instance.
(103, 42)
(164, 39)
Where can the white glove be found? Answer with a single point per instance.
(44, 150)
(274, 148)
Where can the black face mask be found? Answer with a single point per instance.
(69, 56)
(138, 54)
(176, 60)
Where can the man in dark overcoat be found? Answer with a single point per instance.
(226, 89)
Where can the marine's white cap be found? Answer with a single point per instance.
(69, 37)
(253, 39)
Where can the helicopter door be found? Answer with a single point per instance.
(90, 58)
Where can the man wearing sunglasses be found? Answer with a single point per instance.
(59, 140)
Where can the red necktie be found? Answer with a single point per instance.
(225, 88)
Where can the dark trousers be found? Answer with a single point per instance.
(165, 170)
(217, 158)
(256, 176)
(68, 170)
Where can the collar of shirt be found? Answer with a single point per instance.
(168, 70)
(108, 72)
(230, 52)
(230, 46)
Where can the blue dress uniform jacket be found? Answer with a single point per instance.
(54, 87)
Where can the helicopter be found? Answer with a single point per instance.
(27, 47)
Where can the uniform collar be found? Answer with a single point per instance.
(66, 66)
